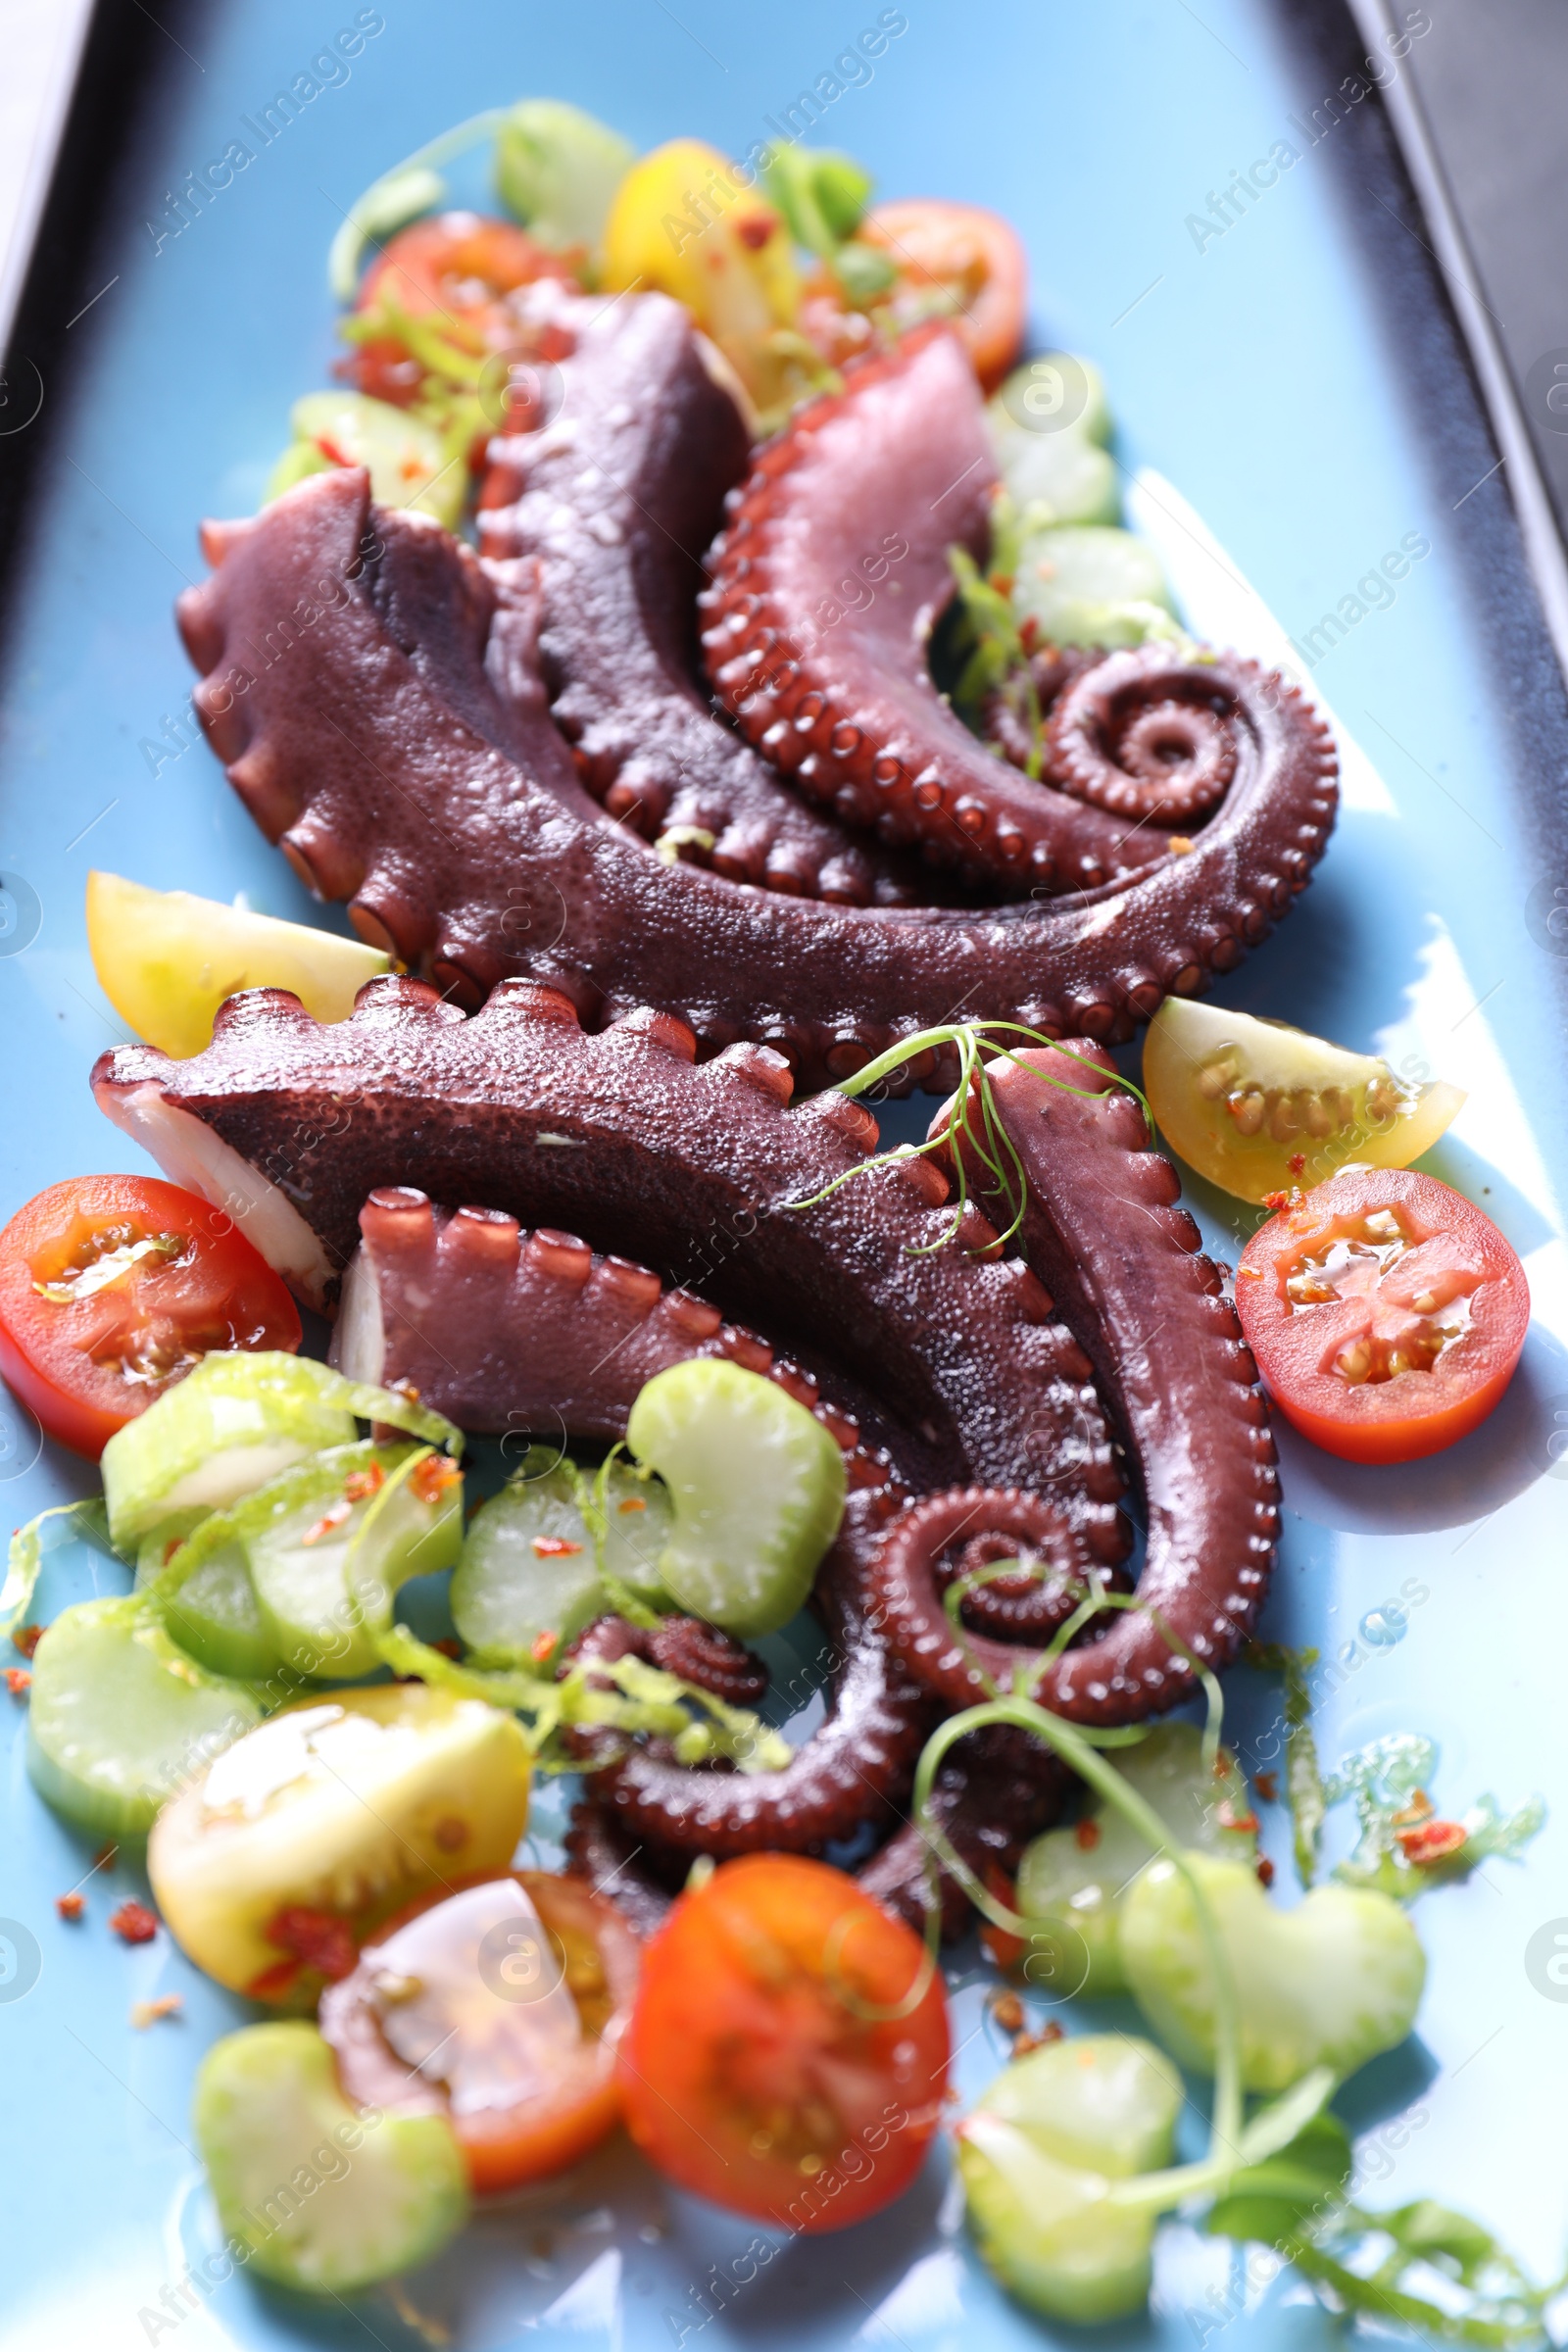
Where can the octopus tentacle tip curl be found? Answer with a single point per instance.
(860, 497)
(429, 735)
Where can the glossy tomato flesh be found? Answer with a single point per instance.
(762, 2068)
(1385, 1311)
(111, 1286)
(528, 2089)
(967, 254)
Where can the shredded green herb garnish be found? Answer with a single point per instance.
(972, 1126)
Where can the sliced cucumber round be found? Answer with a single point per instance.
(1066, 474)
(409, 464)
(528, 1569)
(121, 1718)
(1052, 395)
(638, 1521)
(348, 1805)
(1074, 1880)
(216, 1616)
(329, 1543)
(1085, 584)
(231, 1424)
(756, 1487)
(325, 2198)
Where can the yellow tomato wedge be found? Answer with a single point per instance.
(681, 224)
(1256, 1106)
(167, 960)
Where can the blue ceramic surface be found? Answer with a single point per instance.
(1251, 369)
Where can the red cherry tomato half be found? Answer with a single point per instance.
(972, 258)
(1386, 1314)
(501, 2014)
(762, 2068)
(111, 1286)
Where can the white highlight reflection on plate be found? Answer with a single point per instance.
(1223, 607)
(927, 2298)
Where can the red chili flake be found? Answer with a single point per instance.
(555, 1547)
(634, 1503)
(333, 453)
(449, 1645)
(106, 1857)
(70, 1906)
(1230, 1819)
(542, 1645)
(1297, 1162)
(148, 2013)
(1008, 2010)
(26, 1638)
(333, 1517)
(434, 1475)
(170, 1548)
(1049, 2033)
(1419, 1809)
(1006, 1950)
(1003, 582)
(18, 1680)
(1266, 1871)
(274, 1982)
(133, 1923)
(1087, 1835)
(1029, 633)
(317, 1938)
(755, 230)
(1276, 1201)
(361, 1484)
(1181, 845)
(1432, 1840)
(1268, 1786)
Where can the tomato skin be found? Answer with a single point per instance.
(222, 1287)
(739, 2019)
(457, 269)
(504, 2148)
(1417, 1412)
(934, 241)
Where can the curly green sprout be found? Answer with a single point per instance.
(972, 1126)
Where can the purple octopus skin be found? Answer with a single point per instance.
(616, 495)
(375, 695)
(900, 460)
(857, 1765)
(562, 1335)
(1101, 1224)
(953, 1358)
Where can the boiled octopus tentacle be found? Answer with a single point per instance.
(1101, 1224)
(992, 1792)
(616, 494)
(954, 1358)
(564, 1334)
(378, 700)
(859, 1764)
(899, 462)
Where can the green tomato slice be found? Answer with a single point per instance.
(121, 1718)
(1257, 1108)
(1074, 1881)
(324, 2197)
(1038, 2156)
(756, 1487)
(347, 1804)
(1330, 1984)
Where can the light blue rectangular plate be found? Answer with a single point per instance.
(1294, 381)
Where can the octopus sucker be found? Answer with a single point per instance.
(860, 499)
(378, 694)
(615, 497)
